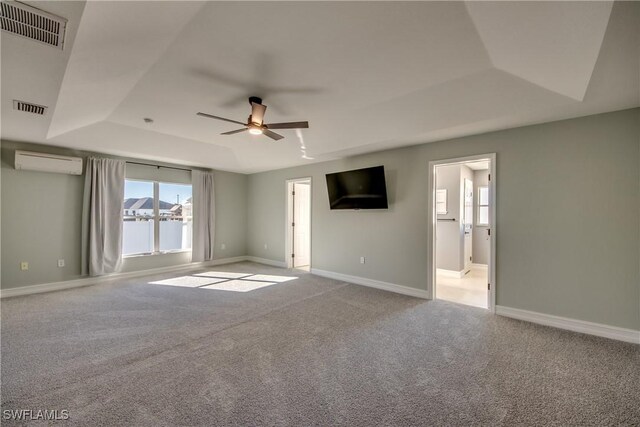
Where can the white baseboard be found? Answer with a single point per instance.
(49, 287)
(481, 266)
(450, 273)
(86, 281)
(386, 286)
(598, 329)
(266, 261)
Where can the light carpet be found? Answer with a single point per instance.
(307, 351)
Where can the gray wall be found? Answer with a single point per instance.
(448, 242)
(561, 249)
(41, 219)
(481, 242)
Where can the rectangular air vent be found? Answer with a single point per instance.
(32, 23)
(29, 107)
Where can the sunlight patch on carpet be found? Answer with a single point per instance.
(237, 285)
(225, 281)
(222, 274)
(187, 281)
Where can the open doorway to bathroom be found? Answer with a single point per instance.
(463, 232)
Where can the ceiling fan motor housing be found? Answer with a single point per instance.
(255, 125)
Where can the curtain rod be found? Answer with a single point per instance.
(158, 166)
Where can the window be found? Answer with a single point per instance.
(176, 222)
(157, 217)
(483, 206)
(441, 202)
(139, 218)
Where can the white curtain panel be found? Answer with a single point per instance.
(204, 216)
(102, 216)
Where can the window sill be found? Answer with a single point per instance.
(157, 253)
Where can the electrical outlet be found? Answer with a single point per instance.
(362, 260)
(60, 263)
(24, 266)
(223, 246)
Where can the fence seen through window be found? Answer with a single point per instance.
(157, 217)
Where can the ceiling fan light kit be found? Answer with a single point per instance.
(255, 124)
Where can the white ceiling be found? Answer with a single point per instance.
(367, 76)
(478, 166)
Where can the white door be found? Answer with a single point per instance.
(301, 224)
(467, 222)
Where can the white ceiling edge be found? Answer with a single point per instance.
(94, 74)
(169, 149)
(549, 44)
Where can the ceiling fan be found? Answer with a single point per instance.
(255, 124)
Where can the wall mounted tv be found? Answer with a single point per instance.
(358, 189)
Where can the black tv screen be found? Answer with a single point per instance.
(358, 189)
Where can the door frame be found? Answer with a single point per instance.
(288, 186)
(432, 217)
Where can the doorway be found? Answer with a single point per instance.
(298, 225)
(462, 238)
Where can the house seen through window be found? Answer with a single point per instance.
(157, 217)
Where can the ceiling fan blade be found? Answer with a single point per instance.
(231, 132)
(290, 125)
(272, 135)
(257, 112)
(221, 118)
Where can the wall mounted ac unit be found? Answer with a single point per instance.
(42, 162)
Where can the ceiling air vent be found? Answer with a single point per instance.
(29, 107)
(32, 23)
